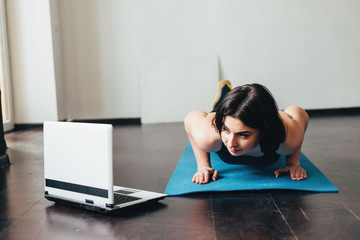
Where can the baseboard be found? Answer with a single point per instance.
(333, 112)
(28, 126)
(137, 121)
(114, 122)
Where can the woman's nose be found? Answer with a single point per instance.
(231, 141)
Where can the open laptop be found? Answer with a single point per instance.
(78, 168)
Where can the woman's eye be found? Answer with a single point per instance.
(244, 135)
(225, 129)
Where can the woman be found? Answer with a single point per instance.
(247, 128)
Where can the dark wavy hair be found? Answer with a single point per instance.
(255, 106)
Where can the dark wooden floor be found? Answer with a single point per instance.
(145, 157)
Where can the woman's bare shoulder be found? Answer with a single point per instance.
(298, 114)
(295, 121)
(200, 125)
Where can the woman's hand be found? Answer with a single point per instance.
(297, 173)
(203, 175)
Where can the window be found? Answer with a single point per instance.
(6, 105)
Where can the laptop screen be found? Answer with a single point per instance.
(78, 160)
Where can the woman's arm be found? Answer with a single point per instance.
(293, 167)
(204, 139)
(295, 121)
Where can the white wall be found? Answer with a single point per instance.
(98, 44)
(31, 61)
(62, 109)
(164, 101)
(306, 52)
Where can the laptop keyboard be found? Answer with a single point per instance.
(119, 198)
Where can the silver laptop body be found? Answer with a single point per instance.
(78, 168)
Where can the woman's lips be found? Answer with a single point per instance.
(233, 150)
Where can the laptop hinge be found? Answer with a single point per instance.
(109, 205)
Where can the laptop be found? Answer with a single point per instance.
(78, 168)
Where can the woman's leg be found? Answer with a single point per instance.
(224, 87)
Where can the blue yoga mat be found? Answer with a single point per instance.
(244, 177)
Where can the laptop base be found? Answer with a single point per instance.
(93, 208)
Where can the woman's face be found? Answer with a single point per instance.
(237, 137)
